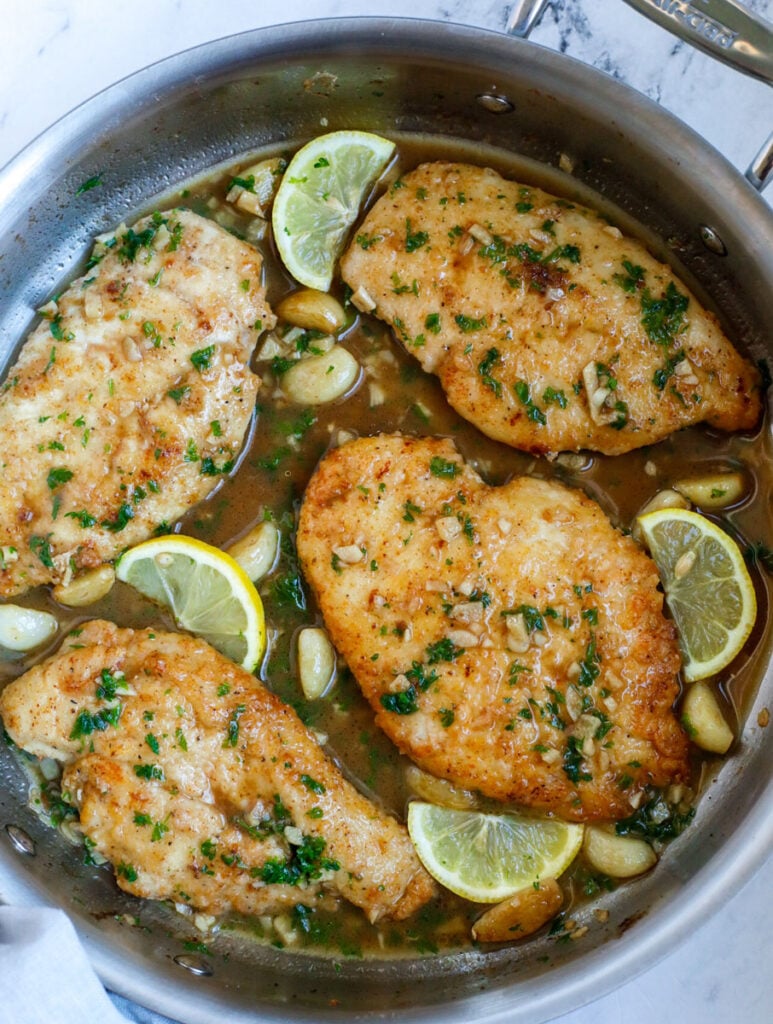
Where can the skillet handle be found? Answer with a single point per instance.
(524, 15)
(724, 29)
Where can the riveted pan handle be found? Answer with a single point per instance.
(722, 28)
(725, 29)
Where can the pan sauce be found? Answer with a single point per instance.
(280, 454)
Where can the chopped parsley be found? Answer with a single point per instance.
(122, 517)
(402, 289)
(553, 396)
(661, 376)
(210, 468)
(563, 252)
(202, 358)
(414, 239)
(55, 326)
(532, 616)
(759, 553)
(663, 318)
(443, 650)
(410, 511)
(401, 703)
(312, 784)
(432, 323)
(468, 324)
(288, 590)
(41, 547)
(523, 394)
(655, 820)
(632, 279)
(304, 864)
(159, 831)
(589, 666)
(132, 241)
(178, 394)
(573, 760)
(232, 730)
(124, 870)
(86, 186)
(57, 477)
(88, 722)
(443, 468)
(109, 684)
(248, 183)
(418, 674)
(485, 367)
(366, 241)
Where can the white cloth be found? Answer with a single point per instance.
(46, 978)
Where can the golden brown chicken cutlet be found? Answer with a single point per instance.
(509, 638)
(131, 398)
(547, 328)
(202, 787)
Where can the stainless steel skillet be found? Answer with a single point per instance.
(200, 108)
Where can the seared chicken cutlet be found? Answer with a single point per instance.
(130, 399)
(201, 786)
(546, 327)
(509, 639)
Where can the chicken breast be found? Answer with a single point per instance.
(508, 638)
(131, 398)
(546, 327)
(202, 787)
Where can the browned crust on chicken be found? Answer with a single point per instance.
(530, 310)
(183, 790)
(522, 634)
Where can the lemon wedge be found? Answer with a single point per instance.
(319, 199)
(707, 585)
(208, 593)
(489, 857)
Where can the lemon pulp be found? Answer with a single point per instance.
(488, 857)
(208, 593)
(319, 199)
(707, 585)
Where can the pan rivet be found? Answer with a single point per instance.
(495, 104)
(712, 241)
(23, 842)
(194, 964)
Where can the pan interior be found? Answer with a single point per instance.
(172, 123)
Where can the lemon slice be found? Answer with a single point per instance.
(707, 585)
(488, 857)
(208, 593)
(319, 199)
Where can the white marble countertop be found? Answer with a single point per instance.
(56, 53)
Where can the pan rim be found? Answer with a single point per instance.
(736, 862)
